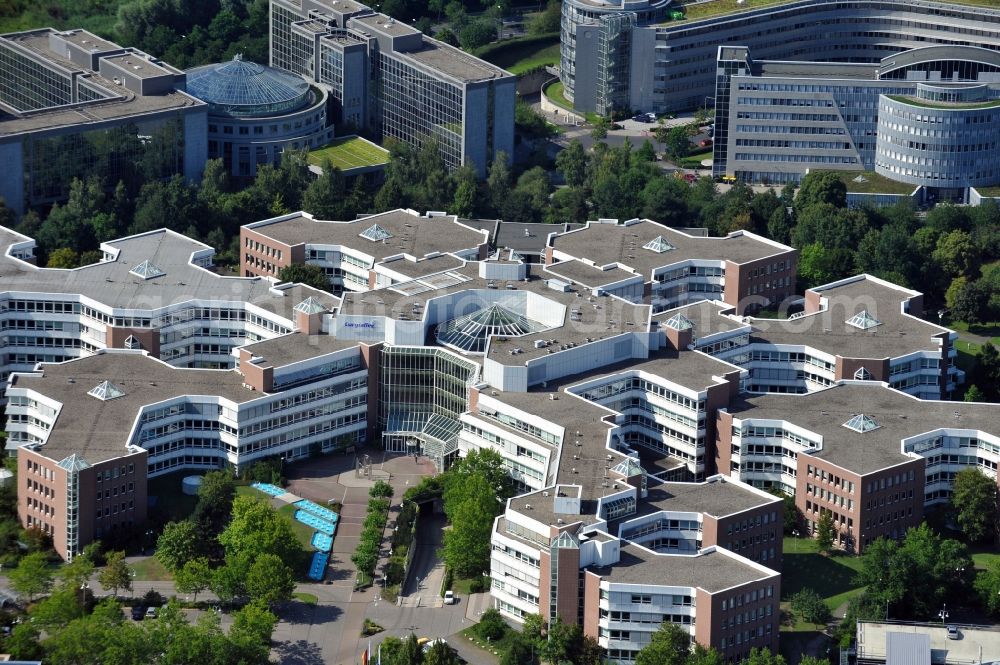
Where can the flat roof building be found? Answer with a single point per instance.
(70, 101)
(389, 79)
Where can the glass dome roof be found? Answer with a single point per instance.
(470, 332)
(242, 88)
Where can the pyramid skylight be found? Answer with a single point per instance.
(470, 332)
(105, 391)
(862, 423)
(375, 233)
(131, 342)
(309, 306)
(73, 463)
(679, 322)
(147, 270)
(863, 320)
(863, 374)
(658, 245)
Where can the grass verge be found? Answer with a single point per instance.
(832, 577)
(307, 598)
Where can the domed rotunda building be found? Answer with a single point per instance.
(256, 112)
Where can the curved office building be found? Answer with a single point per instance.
(926, 117)
(639, 56)
(941, 136)
(256, 112)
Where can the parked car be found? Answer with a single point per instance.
(138, 612)
(150, 612)
(449, 597)
(705, 143)
(953, 633)
(643, 117)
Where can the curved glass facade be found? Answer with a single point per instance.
(938, 143)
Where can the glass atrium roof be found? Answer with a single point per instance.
(863, 320)
(658, 245)
(470, 332)
(147, 270)
(862, 423)
(106, 390)
(309, 306)
(243, 88)
(375, 233)
(679, 322)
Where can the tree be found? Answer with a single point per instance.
(305, 273)
(177, 545)
(821, 187)
(987, 586)
(571, 162)
(498, 181)
(440, 653)
(32, 577)
(809, 606)
(760, 656)
(825, 531)
(974, 500)
(705, 656)
(476, 33)
(485, 463)
(255, 530)
(229, 580)
(967, 300)
(600, 130)
(519, 652)
(194, 577)
(269, 580)
(974, 394)
(986, 373)
(813, 660)
(547, 21)
(8, 218)
(77, 571)
(213, 510)
(956, 253)
(256, 621)
(116, 574)
(324, 197)
(466, 192)
(677, 143)
(670, 645)
(467, 543)
(63, 258)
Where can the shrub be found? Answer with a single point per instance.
(491, 626)
(478, 585)
(380, 490)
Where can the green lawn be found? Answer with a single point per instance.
(693, 161)
(170, 500)
(522, 53)
(985, 558)
(301, 531)
(151, 570)
(307, 598)
(350, 152)
(555, 91)
(928, 104)
(832, 577)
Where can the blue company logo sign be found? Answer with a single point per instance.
(360, 324)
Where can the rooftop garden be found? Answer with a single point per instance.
(868, 182)
(989, 191)
(522, 54)
(713, 8)
(349, 152)
(928, 104)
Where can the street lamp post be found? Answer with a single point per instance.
(943, 613)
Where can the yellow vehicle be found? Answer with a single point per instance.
(729, 179)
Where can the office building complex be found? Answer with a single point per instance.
(655, 55)
(73, 105)
(641, 443)
(255, 113)
(389, 79)
(928, 117)
(641, 259)
(366, 253)
(880, 643)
